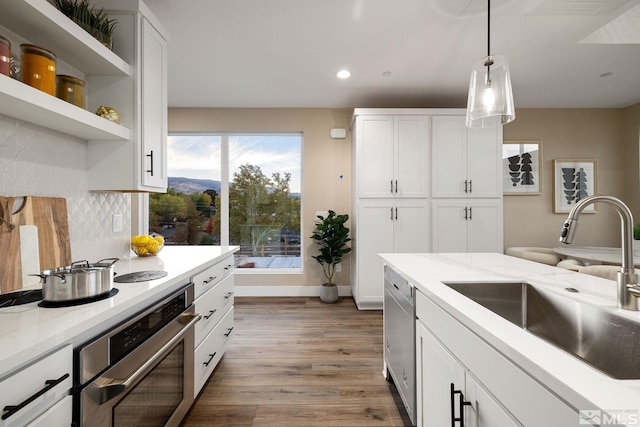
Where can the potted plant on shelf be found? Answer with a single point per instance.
(332, 236)
(94, 21)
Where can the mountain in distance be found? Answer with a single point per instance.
(194, 186)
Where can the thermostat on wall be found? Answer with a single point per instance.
(338, 133)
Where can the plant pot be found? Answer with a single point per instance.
(328, 294)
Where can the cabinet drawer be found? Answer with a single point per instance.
(210, 351)
(511, 386)
(212, 275)
(58, 415)
(46, 381)
(212, 306)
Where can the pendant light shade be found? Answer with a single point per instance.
(490, 101)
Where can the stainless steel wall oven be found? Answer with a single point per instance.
(139, 373)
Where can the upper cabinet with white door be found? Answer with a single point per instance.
(466, 162)
(393, 155)
(125, 156)
(138, 164)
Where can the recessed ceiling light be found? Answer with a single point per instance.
(607, 74)
(343, 74)
(386, 73)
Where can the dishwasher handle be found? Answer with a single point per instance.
(110, 388)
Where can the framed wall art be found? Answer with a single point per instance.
(574, 180)
(522, 168)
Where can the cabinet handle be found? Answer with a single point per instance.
(211, 312)
(228, 295)
(228, 332)
(466, 184)
(391, 185)
(396, 186)
(391, 217)
(396, 214)
(150, 156)
(470, 186)
(10, 410)
(470, 214)
(209, 280)
(211, 356)
(462, 403)
(465, 214)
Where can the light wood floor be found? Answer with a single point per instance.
(296, 362)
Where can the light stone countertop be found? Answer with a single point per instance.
(575, 382)
(28, 331)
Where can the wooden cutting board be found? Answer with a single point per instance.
(49, 215)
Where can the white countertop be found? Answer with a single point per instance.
(27, 331)
(596, 254)
(575, 382)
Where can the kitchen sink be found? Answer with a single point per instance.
(601, 338)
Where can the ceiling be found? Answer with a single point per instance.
(401, 53)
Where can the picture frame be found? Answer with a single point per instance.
(574, 180)
(522, 168)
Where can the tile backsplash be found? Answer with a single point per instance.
(35, 161)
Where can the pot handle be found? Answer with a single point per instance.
(110, 261)
(62, 277)
(77, 264)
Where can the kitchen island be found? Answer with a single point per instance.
(527, 380)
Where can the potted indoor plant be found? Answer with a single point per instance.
(331, 235)
(94, 21)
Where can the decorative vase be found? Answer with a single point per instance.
(328, 294)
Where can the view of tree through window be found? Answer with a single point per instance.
(260, 209)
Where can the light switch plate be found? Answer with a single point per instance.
(117, 223)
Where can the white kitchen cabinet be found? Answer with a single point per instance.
(58, 415)
(40, 23)
(385, 226)
(37, 390)
(500, 393)
(139, 163)
(467, 225)
(443, 384)
(391, 155)
(214, 297)
(466, 162)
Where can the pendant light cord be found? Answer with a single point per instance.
(488, 28)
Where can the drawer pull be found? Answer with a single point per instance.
(211, 279)
(9, 410)
(228, 295)
(208, 316)
(211, 356)
(228, 332)
(462, 403)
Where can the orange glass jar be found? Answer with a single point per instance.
(70, 89)
(39, 68)
(5, 56)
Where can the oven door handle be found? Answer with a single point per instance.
(104, 389)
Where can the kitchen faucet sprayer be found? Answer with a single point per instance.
(627, 279)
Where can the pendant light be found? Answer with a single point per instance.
(490, 101)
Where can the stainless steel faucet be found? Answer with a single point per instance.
(628, 289)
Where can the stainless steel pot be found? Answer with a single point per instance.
(77, 281)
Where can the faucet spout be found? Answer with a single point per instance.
(628, 289)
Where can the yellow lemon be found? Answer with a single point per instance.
(141, 251)
(153, 246)
(142, 240)
(159, 239)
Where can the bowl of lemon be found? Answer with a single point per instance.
(146, 245)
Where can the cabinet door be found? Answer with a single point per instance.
(374, 151)
(436, 371)
(154, 107)
(411, 160)
(450, 225)
(484, 162)
(374, 236)
(449, 162)
(412, 226)
(485, 229)
(484, 411)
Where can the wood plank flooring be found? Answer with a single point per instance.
(296, 362)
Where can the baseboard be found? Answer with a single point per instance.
(285, 291)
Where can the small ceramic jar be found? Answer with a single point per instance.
(39, 68)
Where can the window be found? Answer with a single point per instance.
(236, 189)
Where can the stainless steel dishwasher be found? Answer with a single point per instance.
(399, 337)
